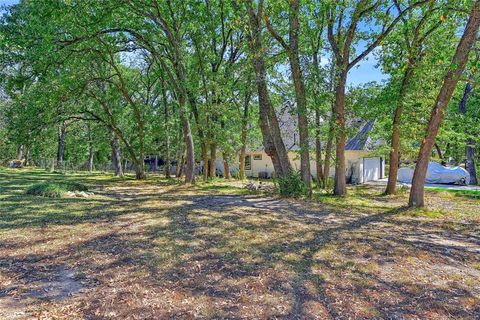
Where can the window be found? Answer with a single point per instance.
(248, 162)
(257, 157)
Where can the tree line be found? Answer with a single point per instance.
(190, 80)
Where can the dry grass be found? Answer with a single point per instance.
(158, 250)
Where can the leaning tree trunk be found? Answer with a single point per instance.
(438, 111)
(439, 151)
(272, 139)
(340, 188)
(395, 141)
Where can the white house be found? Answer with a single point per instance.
(361, 163)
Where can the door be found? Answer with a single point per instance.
(372, 169)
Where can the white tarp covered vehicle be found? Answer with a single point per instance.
(437, 173)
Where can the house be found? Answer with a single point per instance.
(361, 163)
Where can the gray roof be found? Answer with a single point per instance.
(359, 141)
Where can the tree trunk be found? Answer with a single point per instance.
(300, 96)
(155, 164)
(396, 135)
(206, 164)
(318, 147)
(470, 163)
(226, 167)
(243, 136)
(438, 150)
(116, 155)
(272, 139)
(167, 130)
(340, 188)
(213, 159)
(90, 158)
(329, 149)
(180, 165)
(20, 152)
(62, 131)
(438, 111)
(140, 169)
(180, 153)
(331, 127)
(187, 135)
(470, 148)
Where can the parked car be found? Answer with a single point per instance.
(436, 173)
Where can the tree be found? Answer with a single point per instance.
(342, 39)
(293, 53)
(450, 81)
(268, 122)
(416, 30)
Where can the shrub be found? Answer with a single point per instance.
(54, 189)
(291, 185)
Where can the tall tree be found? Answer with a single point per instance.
(342, 39)
(416, 31)
(293, 52)
(268, 122)
(450, 81)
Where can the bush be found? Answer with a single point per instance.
(54, 189)
(291, 185)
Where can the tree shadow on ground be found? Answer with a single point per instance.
(173, 252)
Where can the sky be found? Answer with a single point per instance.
(364, 72)
(8, 2)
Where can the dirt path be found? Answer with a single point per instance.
(166, 251)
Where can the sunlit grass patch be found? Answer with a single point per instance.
(423, 212)
(475, 194)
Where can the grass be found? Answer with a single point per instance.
(460, 193)
(161, 249)
(54, 189)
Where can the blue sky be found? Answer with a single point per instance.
(8, 2)
(364, 72)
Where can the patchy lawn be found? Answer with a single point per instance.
(158, 249)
